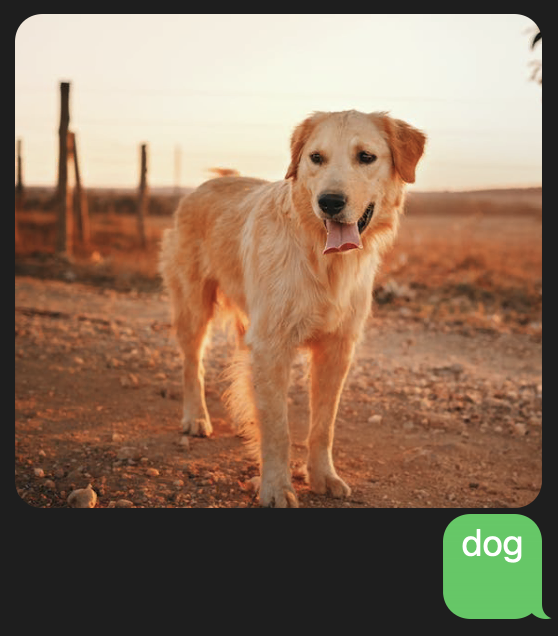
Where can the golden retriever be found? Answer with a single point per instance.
(294, 263)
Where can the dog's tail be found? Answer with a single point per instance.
(166, 253)
(240, 401)
(223, 172)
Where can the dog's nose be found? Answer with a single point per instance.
(332, 203)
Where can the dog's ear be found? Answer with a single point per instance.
(298, 139)
(406, 143)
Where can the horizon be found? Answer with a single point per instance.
(182, 189)
(182, 82)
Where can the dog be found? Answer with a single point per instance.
(293, 262)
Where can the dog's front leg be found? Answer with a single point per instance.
(270, 374)
(331, 359)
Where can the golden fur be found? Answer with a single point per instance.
(255, 248)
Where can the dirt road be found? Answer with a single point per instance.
(428, 418)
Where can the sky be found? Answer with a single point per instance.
(227, 90)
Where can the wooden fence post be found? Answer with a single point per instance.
(81, 210)
(142, 196)
(177, 157)
(64, 224)
(19, 192)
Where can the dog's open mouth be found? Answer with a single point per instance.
(342, 237)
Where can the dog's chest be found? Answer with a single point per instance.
(341, 293)
(329, 316)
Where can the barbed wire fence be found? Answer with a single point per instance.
(73, 217)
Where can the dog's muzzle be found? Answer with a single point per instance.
(332, 203)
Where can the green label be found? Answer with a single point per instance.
(493, 567)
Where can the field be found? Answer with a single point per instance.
(442, 408)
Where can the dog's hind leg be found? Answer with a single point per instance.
(192, 315)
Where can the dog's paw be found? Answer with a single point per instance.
(323, 483)
(199, 427)
(277, 494)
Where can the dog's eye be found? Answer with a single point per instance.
(366, 157)
(316, 157)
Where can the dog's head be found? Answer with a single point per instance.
(346, 162)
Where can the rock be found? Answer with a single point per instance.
(117, 437)
(253, 485)
(74, 475)
(497, 404)
(452, 369)
(42, 453)
(129, 380)
(49, 484)
(39, 472)
(392, 289)
(408, 426)
(129, 452)
(123, 503)
(152, 472)
(185, 442)
(472, 398)
(519, 428)
(82, 498)
(375, 419)
(300, 473)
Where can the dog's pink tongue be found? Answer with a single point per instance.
(341, 237)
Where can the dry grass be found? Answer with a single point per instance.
(463, 258)
(481, 271)
(506, 250)
(113, 240)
